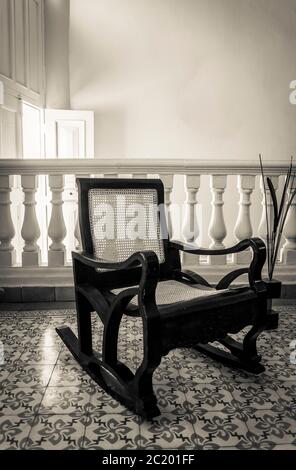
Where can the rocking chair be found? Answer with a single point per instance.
(119, 273)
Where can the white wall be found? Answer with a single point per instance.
(57, 53)
(186, 78)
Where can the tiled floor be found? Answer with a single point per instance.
(48, 402)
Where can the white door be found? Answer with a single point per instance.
(69, 134)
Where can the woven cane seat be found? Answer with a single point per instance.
(171, 292)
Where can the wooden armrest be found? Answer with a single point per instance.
(147, 260)
(254, 271)
(94, 262)
(255, 243)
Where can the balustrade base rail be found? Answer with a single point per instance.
(44, 284)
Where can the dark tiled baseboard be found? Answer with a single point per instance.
(66, 294)
(37, 294)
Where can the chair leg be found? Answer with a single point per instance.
(241, 355)
(145, 399)
(81, 346)
(135, 391)
(110, 344)
(110, 338)
(250, 343)
(142, 385)
(84, 309)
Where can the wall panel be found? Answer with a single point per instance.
(5, 38)
(20, 41)
(34, 44)
(22, 49)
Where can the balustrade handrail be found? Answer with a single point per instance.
(53, 166)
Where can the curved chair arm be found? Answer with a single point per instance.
(255, 243)
(257, 263)
(148, 260)
(90, 260)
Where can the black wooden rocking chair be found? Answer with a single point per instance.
(120, 274)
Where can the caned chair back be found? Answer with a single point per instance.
(121, 216)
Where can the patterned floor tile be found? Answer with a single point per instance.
(14, 431)
(69, 400)
(65, 357)
(204, 405)
(112, 431)
(40, 356)
(257, 396)
(208, 397)
(69, 375)
(274, 353)
(4, 373)
(280, 371)
(167, 432)
(217, 428)
(167, 373)
(49, 338)
(197, 373)
(11, 355)
(126, 355)
(275, 427)
(285, 447)
(22, 402)
(102, 403)
(191, 357)
(56, 432)
(287, 394)
(34, 376)
(170, 400)
(230, 375)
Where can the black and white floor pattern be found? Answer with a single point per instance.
(48, 402)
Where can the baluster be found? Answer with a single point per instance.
(56, 229)
(243, 227)
(7, 232)
(262, 229)
(217, 229)
(288, 252)
(77, 234)
(139, 176)
(30, 229)
(190, 224)
(111, 175)
(168, 181)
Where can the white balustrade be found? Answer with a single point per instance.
(288, 253)
(7, 232)
(30, 229)
(56, 229)
(192, 222)
(262, 229)
(168, 180)
(190, 228)
(243, 227)
(217, 228)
